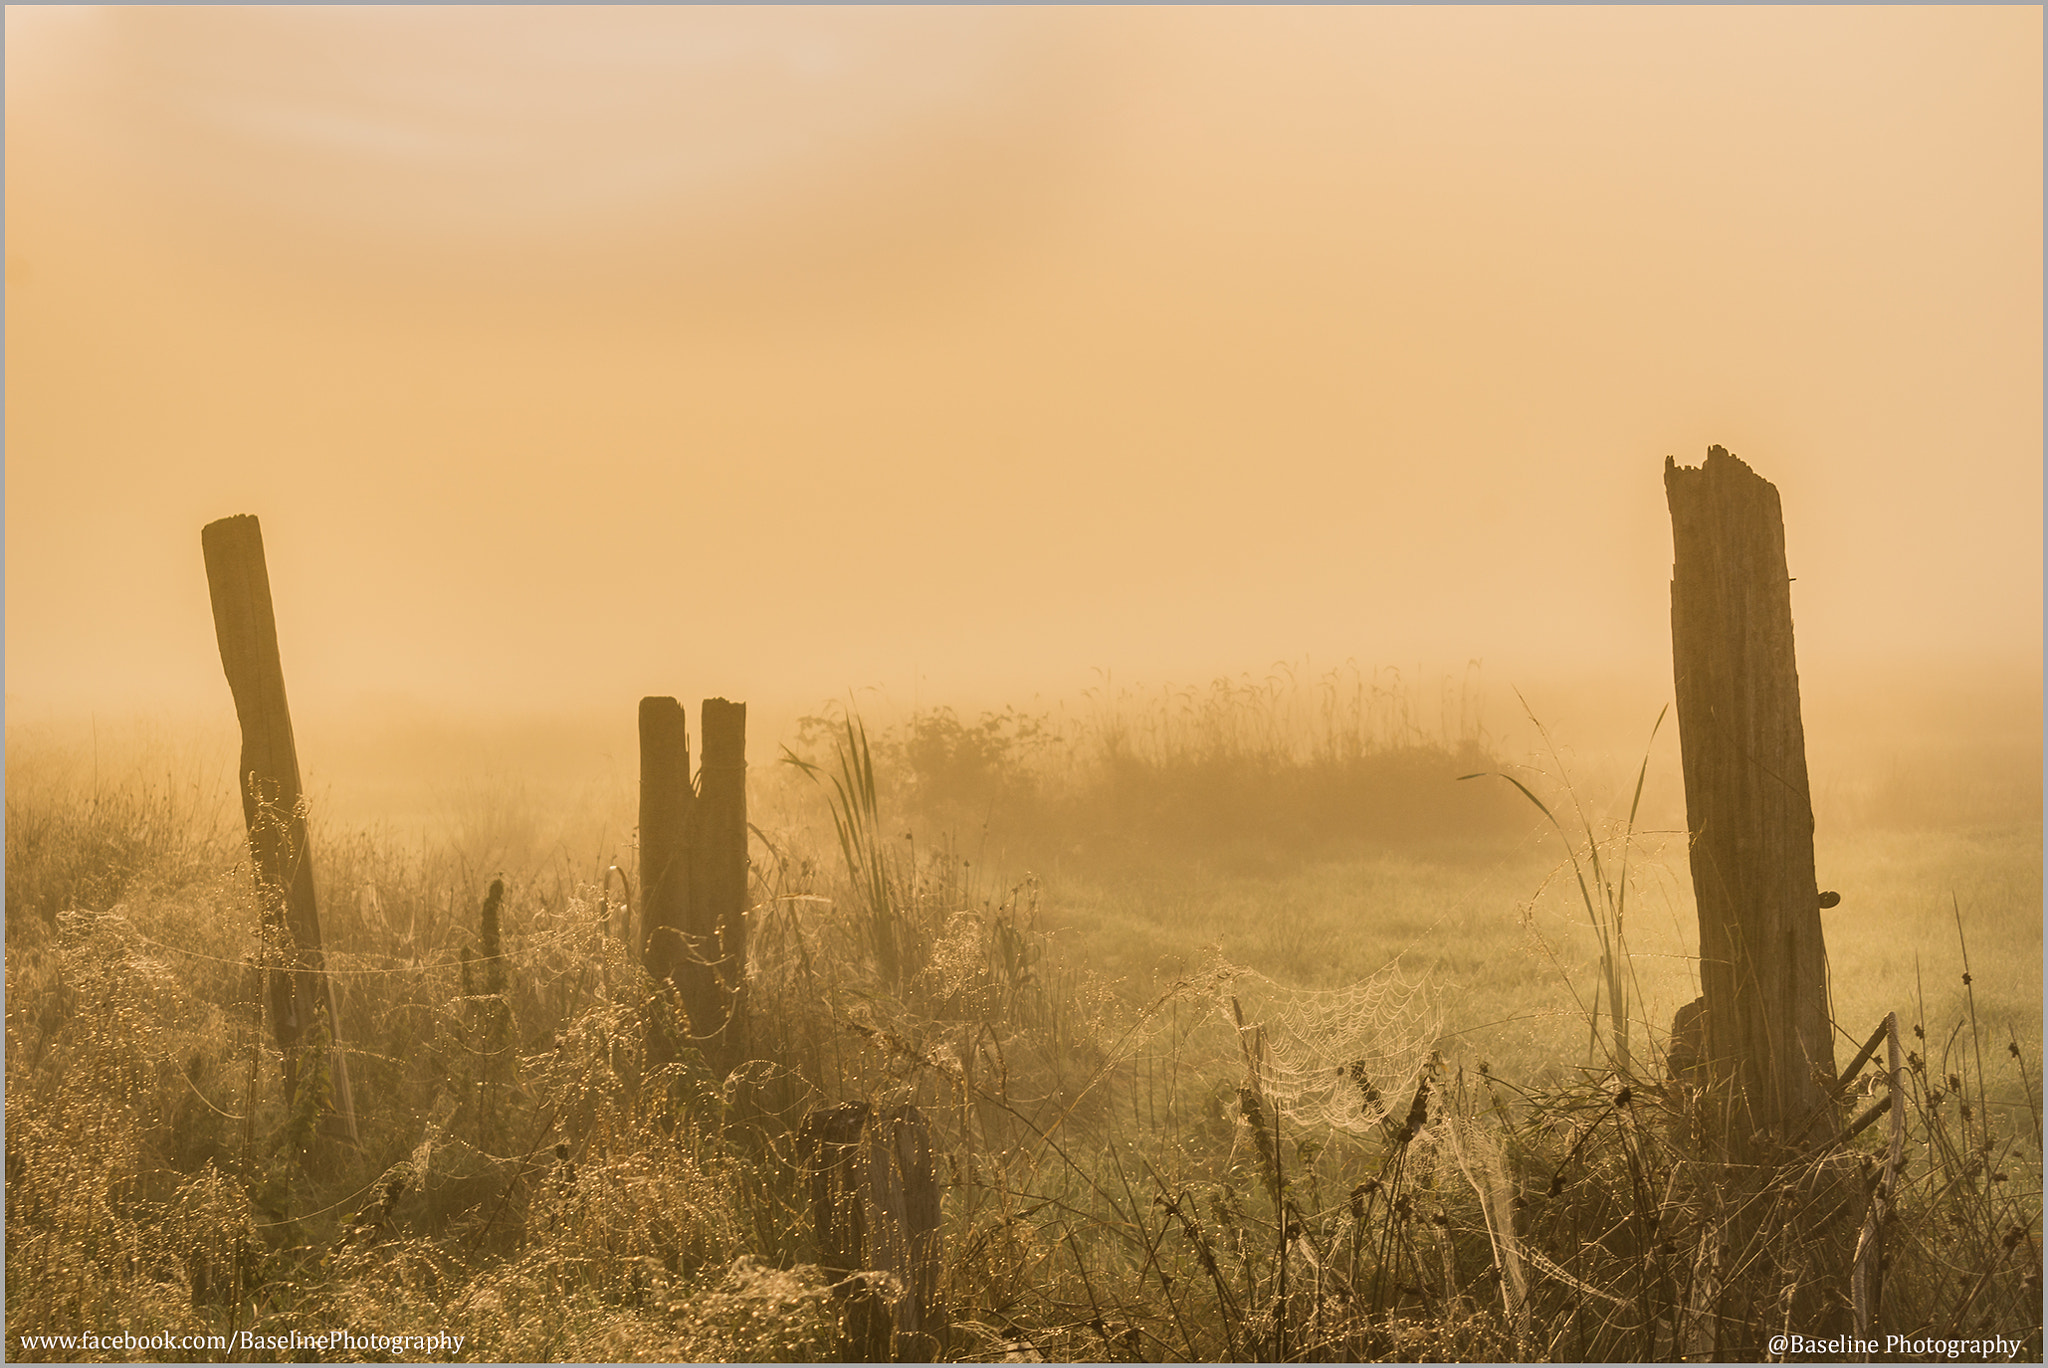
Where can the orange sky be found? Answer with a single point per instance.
(570, 355)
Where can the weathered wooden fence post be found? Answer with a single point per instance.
(718, 873)
(693, 865)
(903, 1234)
(302, 996)
(875, 1206)
(1768, 1046)
(831, 1142)
(664, 835)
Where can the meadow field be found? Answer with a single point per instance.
(1257, 1022)
(977, 397)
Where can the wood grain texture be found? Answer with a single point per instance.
(1749, 812)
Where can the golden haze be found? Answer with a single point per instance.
(569, 356)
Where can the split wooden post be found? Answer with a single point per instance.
(665, 801)
(1749, 813)
(245, 623)
(718, 877)
(693, 865)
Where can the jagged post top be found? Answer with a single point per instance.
(725, 734)
(657, 709)
(1710, 500)
(1721, 466)
(242, 524)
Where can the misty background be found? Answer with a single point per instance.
(982, 356)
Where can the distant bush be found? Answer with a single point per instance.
(1279, 763)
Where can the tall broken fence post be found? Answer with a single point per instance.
(665, 800)
(245, 622)
(667, 813)
(1768, 1046)
(718, 874)
(693, 865)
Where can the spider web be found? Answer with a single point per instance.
(1349, 1058)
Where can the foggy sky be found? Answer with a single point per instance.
(571, 355)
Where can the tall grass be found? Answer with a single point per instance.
(1223, 1167)
(1605, 899)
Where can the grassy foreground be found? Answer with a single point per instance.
(1240, 1035)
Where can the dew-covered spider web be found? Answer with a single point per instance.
(1349, 1058)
